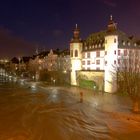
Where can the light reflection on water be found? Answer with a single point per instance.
(49, 115)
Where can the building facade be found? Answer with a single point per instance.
(101, 52)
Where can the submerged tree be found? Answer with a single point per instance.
(128, 76)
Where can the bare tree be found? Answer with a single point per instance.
(128, 76)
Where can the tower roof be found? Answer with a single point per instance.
(76, 35)
(112, 26)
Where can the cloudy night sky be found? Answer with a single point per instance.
(29, 24)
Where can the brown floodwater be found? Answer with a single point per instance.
(55, 114)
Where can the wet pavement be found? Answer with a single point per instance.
(56, 113)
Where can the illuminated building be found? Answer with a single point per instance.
(100, 52)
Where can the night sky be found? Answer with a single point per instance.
(44, 24)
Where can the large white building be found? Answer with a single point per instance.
(100, 52)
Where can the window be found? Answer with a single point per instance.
(114, 61)
(88, 62)
(119, 52)
(88, 68)
(123, 42)
(83, 68)
(83, 62)
(95, 45)
(105, 62)
(88, 55)
(130, 52)
(125, 52)
(76, 53)
(83, 55)
(118, 61)
(105, 52)
(97, 62)
(98, 54)
(97, 68)
(71, 53)
(115, 52)
(114, 40)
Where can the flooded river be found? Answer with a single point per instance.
(53, 114)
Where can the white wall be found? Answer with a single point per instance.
(75, 61)
(92, 59)
(110, 72)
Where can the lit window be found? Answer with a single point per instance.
(98, 54)
(76, 53)
(97, 62)
(123, 43)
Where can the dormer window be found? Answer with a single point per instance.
(135, 44)
(123, 42)
(128, 43)
(96, 46)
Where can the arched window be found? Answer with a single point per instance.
(76, 53)
(71, 53)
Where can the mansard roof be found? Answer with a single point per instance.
(96, 41)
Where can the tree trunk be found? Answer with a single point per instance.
(135, 106)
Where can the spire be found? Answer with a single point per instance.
(112, 26)
(76, 34)
(76, 26)
(111, 18)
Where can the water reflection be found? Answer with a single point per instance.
(50, 114)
